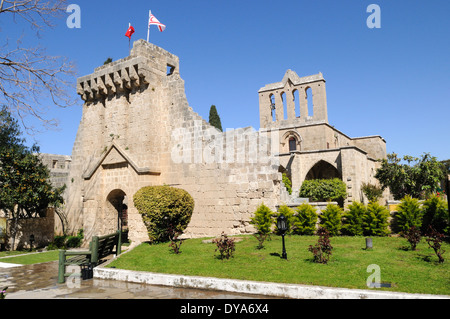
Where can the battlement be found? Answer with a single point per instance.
(145, 63)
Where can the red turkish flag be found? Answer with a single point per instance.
(130, 31)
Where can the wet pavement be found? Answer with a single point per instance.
(40, 281)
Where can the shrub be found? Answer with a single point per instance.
(262, 220)
(3, 293)
(304, 222)
(331, 219)
(375, 220)
(413, 236)
(64, 242)
(322, 250)
(161, 206)
(75, 241)
(372, 192)
(409, 214)
(287, 183)
(324, 190)
(175, 243)
(435, 214)
(59, 242)
(225, 246)
(353, 219)
(434, 241)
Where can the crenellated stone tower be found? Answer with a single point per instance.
(137, 129)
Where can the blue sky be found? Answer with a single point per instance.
(393, 81)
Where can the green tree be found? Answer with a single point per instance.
(353, 219)
(214, 118)
(305, 220)
(409, 214)
(436, 215)
(25, 188)
(262, 220)
(331, 219)
(375, 220)
(417, 177)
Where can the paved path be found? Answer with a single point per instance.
(39, 281)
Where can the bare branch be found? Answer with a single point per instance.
(38, 13)
(30, 80)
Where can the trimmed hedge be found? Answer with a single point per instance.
(324, 190)
(162, 207)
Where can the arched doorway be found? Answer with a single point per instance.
(323, 170)
(116, 214)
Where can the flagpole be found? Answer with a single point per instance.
(148, 29)
(129, 39)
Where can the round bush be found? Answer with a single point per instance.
(162, 207)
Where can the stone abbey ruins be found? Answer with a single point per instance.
(137, 129)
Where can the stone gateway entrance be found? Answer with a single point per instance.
(116, 209)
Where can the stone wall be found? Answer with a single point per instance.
(41, 227)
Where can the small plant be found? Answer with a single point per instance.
(322, 250)
(3, 293)
(372, 192)
(175, 243)
(225, 246)
(331, 219)
(434, 240)
(263, 223)
(413, 236)
(304, 222)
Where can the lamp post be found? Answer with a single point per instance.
(282, 226)
(31, 241)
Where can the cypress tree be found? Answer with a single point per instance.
(214, 118)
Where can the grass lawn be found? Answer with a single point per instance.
(407, 271)
(30, 258)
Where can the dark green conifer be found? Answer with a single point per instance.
(214, 118)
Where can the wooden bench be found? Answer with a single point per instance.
(99, 248)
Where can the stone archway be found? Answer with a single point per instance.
(116, 208)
